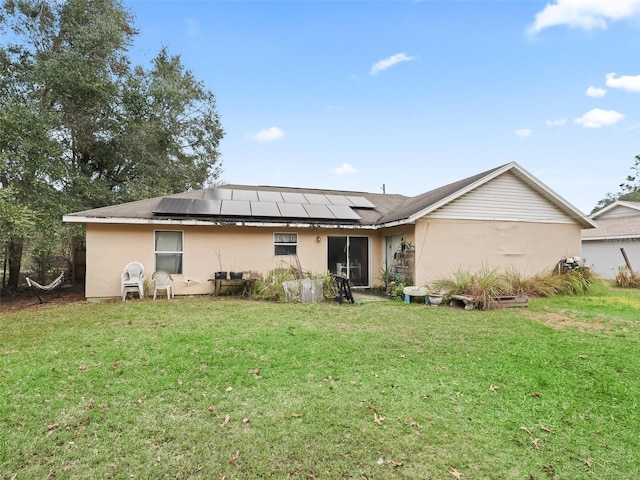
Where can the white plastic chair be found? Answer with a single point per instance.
(163, 281)
(132, 280)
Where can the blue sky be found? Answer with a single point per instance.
(412, 94)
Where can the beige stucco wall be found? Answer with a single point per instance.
(443, 246)
(207, 249)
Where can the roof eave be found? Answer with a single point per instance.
(610, 237)
(196, 221)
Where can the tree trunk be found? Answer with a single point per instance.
(15, 260)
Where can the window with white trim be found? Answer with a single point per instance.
(168, 250)
(285, 243)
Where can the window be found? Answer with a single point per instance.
(168, 249)
(285, 243)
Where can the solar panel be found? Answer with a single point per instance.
(265, 204)
(318, 211)
(173, 206)
(360, 202)
(246, 195)
(238, 208)
(317, 199)
(205, 207)
(217, 194)
(292, 197)
(339, 200)
(270, 196)
(292, 210)
(265, 209)
(343, 212)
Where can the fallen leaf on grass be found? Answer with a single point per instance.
(211, 408)
(455, 473)
(245, 420)
(255, 371)
(226, 420)
(536, 394)
(494, 388)
(115, 364)
(526, 430)
(394, 464)
(235, 457)
(294, 472)
(228, 389)
(377, 419)
(296, 415)
(51, 427)
(68, 468)
(89, 406)
(536, 442)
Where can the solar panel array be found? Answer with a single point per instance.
(254, 203)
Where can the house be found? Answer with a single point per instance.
(618, 226)
(503, 217)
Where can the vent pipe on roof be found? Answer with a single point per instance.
(383, 189)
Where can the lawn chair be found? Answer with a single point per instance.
(52, 287)
(163, 281)
(132, 280)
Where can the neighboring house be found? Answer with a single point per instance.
(503, 217)
(618, 226)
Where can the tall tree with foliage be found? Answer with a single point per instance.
(84, 126)
(629, 189)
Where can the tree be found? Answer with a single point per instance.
(80, 128)
(30, 164)
(629, 189)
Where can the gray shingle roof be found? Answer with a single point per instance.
(389, 208)
(622, 227)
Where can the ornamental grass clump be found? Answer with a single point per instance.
(625, 278)
(488, 284)
(483, 286)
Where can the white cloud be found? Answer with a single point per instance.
(596, 92)
(268, 135)
(524, 132)
(344, 169)
(626, 82)
(585, 14)
(556, 123)
(597, 118)
(390, 62)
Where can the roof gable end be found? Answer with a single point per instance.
(618, 209)
(434, 200)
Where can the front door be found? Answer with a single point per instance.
(349, 257)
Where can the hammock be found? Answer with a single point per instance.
(53, 286)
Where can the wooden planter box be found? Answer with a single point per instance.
(506, 301)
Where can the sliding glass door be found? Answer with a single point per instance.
(349, 257)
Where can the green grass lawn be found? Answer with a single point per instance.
(240, 389)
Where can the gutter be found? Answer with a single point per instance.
(149, 221)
